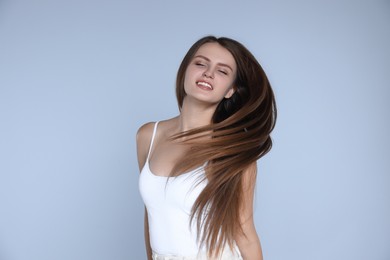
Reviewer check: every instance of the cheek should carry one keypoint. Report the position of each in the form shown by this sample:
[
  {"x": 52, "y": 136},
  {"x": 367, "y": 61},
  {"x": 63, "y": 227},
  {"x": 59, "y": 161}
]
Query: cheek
[
  {"x": 185, "y": 80},
  {"x": 187, "y": 84},
  {"x": 189, "y": 77},
  {"x": 228, "y": 83},
  {"x": 188, "y": 74}
]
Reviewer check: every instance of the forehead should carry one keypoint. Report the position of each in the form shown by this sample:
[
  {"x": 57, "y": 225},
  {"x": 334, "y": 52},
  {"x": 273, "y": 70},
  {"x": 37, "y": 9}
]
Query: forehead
[{"x": 216, "y": 53}]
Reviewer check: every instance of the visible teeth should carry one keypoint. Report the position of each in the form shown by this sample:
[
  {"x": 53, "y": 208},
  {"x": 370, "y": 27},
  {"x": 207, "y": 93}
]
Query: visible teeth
[{"x": 205, "y": 84}]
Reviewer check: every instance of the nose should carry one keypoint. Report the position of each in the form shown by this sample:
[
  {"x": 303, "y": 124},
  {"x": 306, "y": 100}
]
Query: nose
[{"x": 208, "y": 74}]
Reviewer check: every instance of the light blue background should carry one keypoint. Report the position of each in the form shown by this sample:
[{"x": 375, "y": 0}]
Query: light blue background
[{"x": 77, "y": 79}]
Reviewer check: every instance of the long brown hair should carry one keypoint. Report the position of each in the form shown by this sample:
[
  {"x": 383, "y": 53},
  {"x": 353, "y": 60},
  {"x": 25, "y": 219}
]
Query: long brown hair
[{"x": 240, "y": 135}]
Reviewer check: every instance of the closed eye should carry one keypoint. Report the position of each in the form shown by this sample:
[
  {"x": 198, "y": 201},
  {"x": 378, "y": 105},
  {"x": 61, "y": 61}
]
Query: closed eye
[
  {"x": 223, "y": 72},
  {"x": 199, "y": 64}
]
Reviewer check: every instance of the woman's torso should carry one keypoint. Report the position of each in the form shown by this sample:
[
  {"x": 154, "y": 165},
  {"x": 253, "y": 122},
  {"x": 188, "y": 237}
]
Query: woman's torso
[{"x": 169, "y": 202}]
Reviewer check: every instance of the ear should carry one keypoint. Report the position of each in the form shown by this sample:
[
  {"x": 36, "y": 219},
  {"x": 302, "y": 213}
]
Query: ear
[{"x": 230, "y": 92}]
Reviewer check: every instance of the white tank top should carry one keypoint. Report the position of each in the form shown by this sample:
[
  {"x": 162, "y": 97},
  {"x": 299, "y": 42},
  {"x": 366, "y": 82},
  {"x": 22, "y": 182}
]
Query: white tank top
[{"x": 169, "y": 202}]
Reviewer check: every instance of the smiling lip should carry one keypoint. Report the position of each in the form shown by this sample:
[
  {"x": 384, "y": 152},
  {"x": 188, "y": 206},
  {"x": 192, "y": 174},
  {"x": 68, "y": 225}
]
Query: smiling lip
[{"x": 204, "y": 85}]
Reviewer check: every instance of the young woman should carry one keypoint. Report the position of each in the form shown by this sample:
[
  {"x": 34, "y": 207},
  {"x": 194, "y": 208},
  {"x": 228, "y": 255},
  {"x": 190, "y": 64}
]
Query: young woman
[{"x": 198, "y": 169}]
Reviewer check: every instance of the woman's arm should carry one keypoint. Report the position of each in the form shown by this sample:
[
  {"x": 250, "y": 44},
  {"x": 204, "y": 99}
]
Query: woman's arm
[
  {"x": 147, "y": 240},
  {"x": 144, "y": 135},
  {"x": 249, "y": 242}
]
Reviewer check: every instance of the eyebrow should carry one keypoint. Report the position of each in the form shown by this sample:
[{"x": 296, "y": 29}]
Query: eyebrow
[{"x": 207, "y": 59}]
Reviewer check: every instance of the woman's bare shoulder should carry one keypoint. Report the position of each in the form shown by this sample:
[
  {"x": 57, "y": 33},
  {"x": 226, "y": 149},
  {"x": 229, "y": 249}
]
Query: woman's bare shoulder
[
  {"x": 144, "y": 135},
  {"x": 145, "y": 132}
]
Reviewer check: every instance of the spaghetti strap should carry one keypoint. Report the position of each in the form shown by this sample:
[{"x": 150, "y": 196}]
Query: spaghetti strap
[{"x": 152, "y": 140}]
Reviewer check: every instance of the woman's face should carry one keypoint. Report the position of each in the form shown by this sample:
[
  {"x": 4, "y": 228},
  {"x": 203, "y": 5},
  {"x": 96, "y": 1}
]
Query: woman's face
[{"x": 210, "y": 74}]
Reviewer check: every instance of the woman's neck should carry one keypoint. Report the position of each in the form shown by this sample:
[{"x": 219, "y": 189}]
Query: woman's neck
[{"x": 194, "y": 115}]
